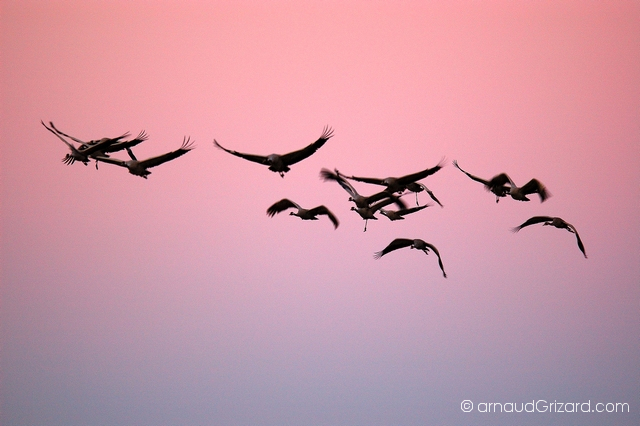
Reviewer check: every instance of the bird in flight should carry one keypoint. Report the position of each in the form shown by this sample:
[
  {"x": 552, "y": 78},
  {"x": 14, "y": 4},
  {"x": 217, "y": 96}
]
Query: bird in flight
[
  {"x": 519, "y": 193},
  {"x": 360, "y": 200},
  {"x": 304, "y": 214},
  {"x": 418, "y": 244},
  {"x": 418, "y": 187},
  {"x": 399, "y": 184},
  {"x": 104, "y": 146},
  {"x": 280, "y": 163},
  {"x": 140, "y": 167},
  {"x": 498, "y": 190},
  {"x": 502, "y": 185},
  {"x": 553, "y": 221},
  {"x": 368, "y": 212},
  {"x": 83, "y": 154}
]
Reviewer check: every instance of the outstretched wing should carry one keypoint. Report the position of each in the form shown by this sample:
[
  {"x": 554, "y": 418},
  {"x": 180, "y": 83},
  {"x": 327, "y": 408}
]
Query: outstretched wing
[
  {"x": 500, "y": 180},
  {"x": 535, "y": 186},
  {"x": 532, "y": 221},
  {"x": 405, "y": 212},
  {"x": 580, "y": 245},
  {"x": 435, "y": 250},
  {"x": 71, "y": 147},
  {"x": 477, "y": 179},
  {"x": 418, "y": 187},
  {"x": 251, "y": 157},
  {"x": 326, "y": 175},
  {"x": 295, "y": 156},
  {"x": 322, "y": 210},
  {"x": 280, "y": 206},
  {"x": 63, "y": 134},
  {"x": 88, "y": 148},
  {"x": 374, "y": 181},
  {"x": 396, "y": 244},
  {"x": 187, "y": 146},
  {"x": 405, "y": 180},
  {"x": 386, "y": 201},
  {"x": 111, "y": 160},
  {"x": 120, "y": 145},
  {"x": 382, "y": 195}
]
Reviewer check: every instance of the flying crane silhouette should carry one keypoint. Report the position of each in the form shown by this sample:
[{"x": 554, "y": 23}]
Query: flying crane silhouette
[
  {"x": 101, "y": 147},
  {"x": 553, "y": 221},
  {"x": 399, "y": 184},
  {"x": 304, "y": 214},
  {"x": 140, "y": 167},
  {"x": 280, "y": 163},
  {"x": 417, "y": 244},
  {"x": 502, "y": 185}
]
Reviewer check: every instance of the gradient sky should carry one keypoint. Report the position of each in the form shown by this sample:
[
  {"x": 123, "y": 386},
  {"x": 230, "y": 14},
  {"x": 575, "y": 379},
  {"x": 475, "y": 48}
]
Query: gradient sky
[{"x": 176, "y": 300}]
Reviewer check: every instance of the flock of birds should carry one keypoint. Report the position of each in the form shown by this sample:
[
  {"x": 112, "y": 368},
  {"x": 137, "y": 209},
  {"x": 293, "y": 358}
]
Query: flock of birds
[{"x": 393, "y": 188}]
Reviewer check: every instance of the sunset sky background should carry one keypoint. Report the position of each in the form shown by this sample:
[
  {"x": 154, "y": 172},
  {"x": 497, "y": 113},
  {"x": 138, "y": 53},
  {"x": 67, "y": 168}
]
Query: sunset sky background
[{"x": 176, "y": 300}]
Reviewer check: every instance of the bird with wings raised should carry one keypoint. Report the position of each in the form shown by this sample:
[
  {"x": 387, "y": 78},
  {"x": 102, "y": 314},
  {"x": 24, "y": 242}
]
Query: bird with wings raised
[
  {"x": 84, "y": 153},
  {"x": 399, "y": 184},
  {"x": 104, "y": 146},
  {"x": 360, "y": 200},
  {"x": 498, "y": 190},
  {"x": 140, "y": 167},
  {"x": 417, "y": 244},
  {"x": 502, "y": 185},
  {"x": 280, "y": 163},
  {"x": 553, "y": 221},
  {"x": 302, "y": 213}
]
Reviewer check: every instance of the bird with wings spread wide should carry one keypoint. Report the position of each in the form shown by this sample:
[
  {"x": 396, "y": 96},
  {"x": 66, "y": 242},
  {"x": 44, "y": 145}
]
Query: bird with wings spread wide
[
  {"x": 418, "y": 244},
  {"x": 553, "y": 221},
  {"x": 304, "y": 214},
  {"x": 502, "y": 185},
  {"x": 361, "y": 201},
  {"x": 280, "y": 163},
  {"x": 104, "y": 146},
  {"x": 399, "y": 184},
  {"x": 88, "y": 150},
  {"x": 140, "y": 167}
]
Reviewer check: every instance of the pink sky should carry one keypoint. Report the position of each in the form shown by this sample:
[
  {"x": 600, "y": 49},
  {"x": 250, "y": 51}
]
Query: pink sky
[{"x": 176, "y": 300}]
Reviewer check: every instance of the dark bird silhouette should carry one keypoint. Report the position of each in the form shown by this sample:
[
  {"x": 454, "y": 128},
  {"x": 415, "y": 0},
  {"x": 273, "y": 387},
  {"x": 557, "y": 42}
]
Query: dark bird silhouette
[
  {"x": 502, "y": 185},
  {"x": 304, "y": 214},
  {"x": 499, "y": 190},
  {"x": 140, "y": 167},
  {"x": 553, "y": 221},
  {"x": 418, "y": 187},
  {"x": 85, "y": 154},
  {"x": 280, "y": 163},
  {"x": 400, "y": 214},
  {"x": 368, "y": 212},
  {"x": 399, "y": 184},
  {"x": 519, "y": 193},
  {"x": 418, "y": 244},
  {"x": 104, "y": 147},
  {"x": 360, "y": 200}
]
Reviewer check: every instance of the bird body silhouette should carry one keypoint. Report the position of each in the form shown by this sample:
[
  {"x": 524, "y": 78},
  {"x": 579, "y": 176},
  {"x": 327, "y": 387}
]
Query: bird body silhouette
[
  {"x": 360, "y": 200},
  {"x": 304, "y": 214},
  {"x": 280, "y": 163},
  {"x": 417, "y": 244},
  {"x": 502, "y": 185},
  {"x": 553, "y": 221},
  {"x": 140, "y": 167},
  {"x": 399, "y": 184}
]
